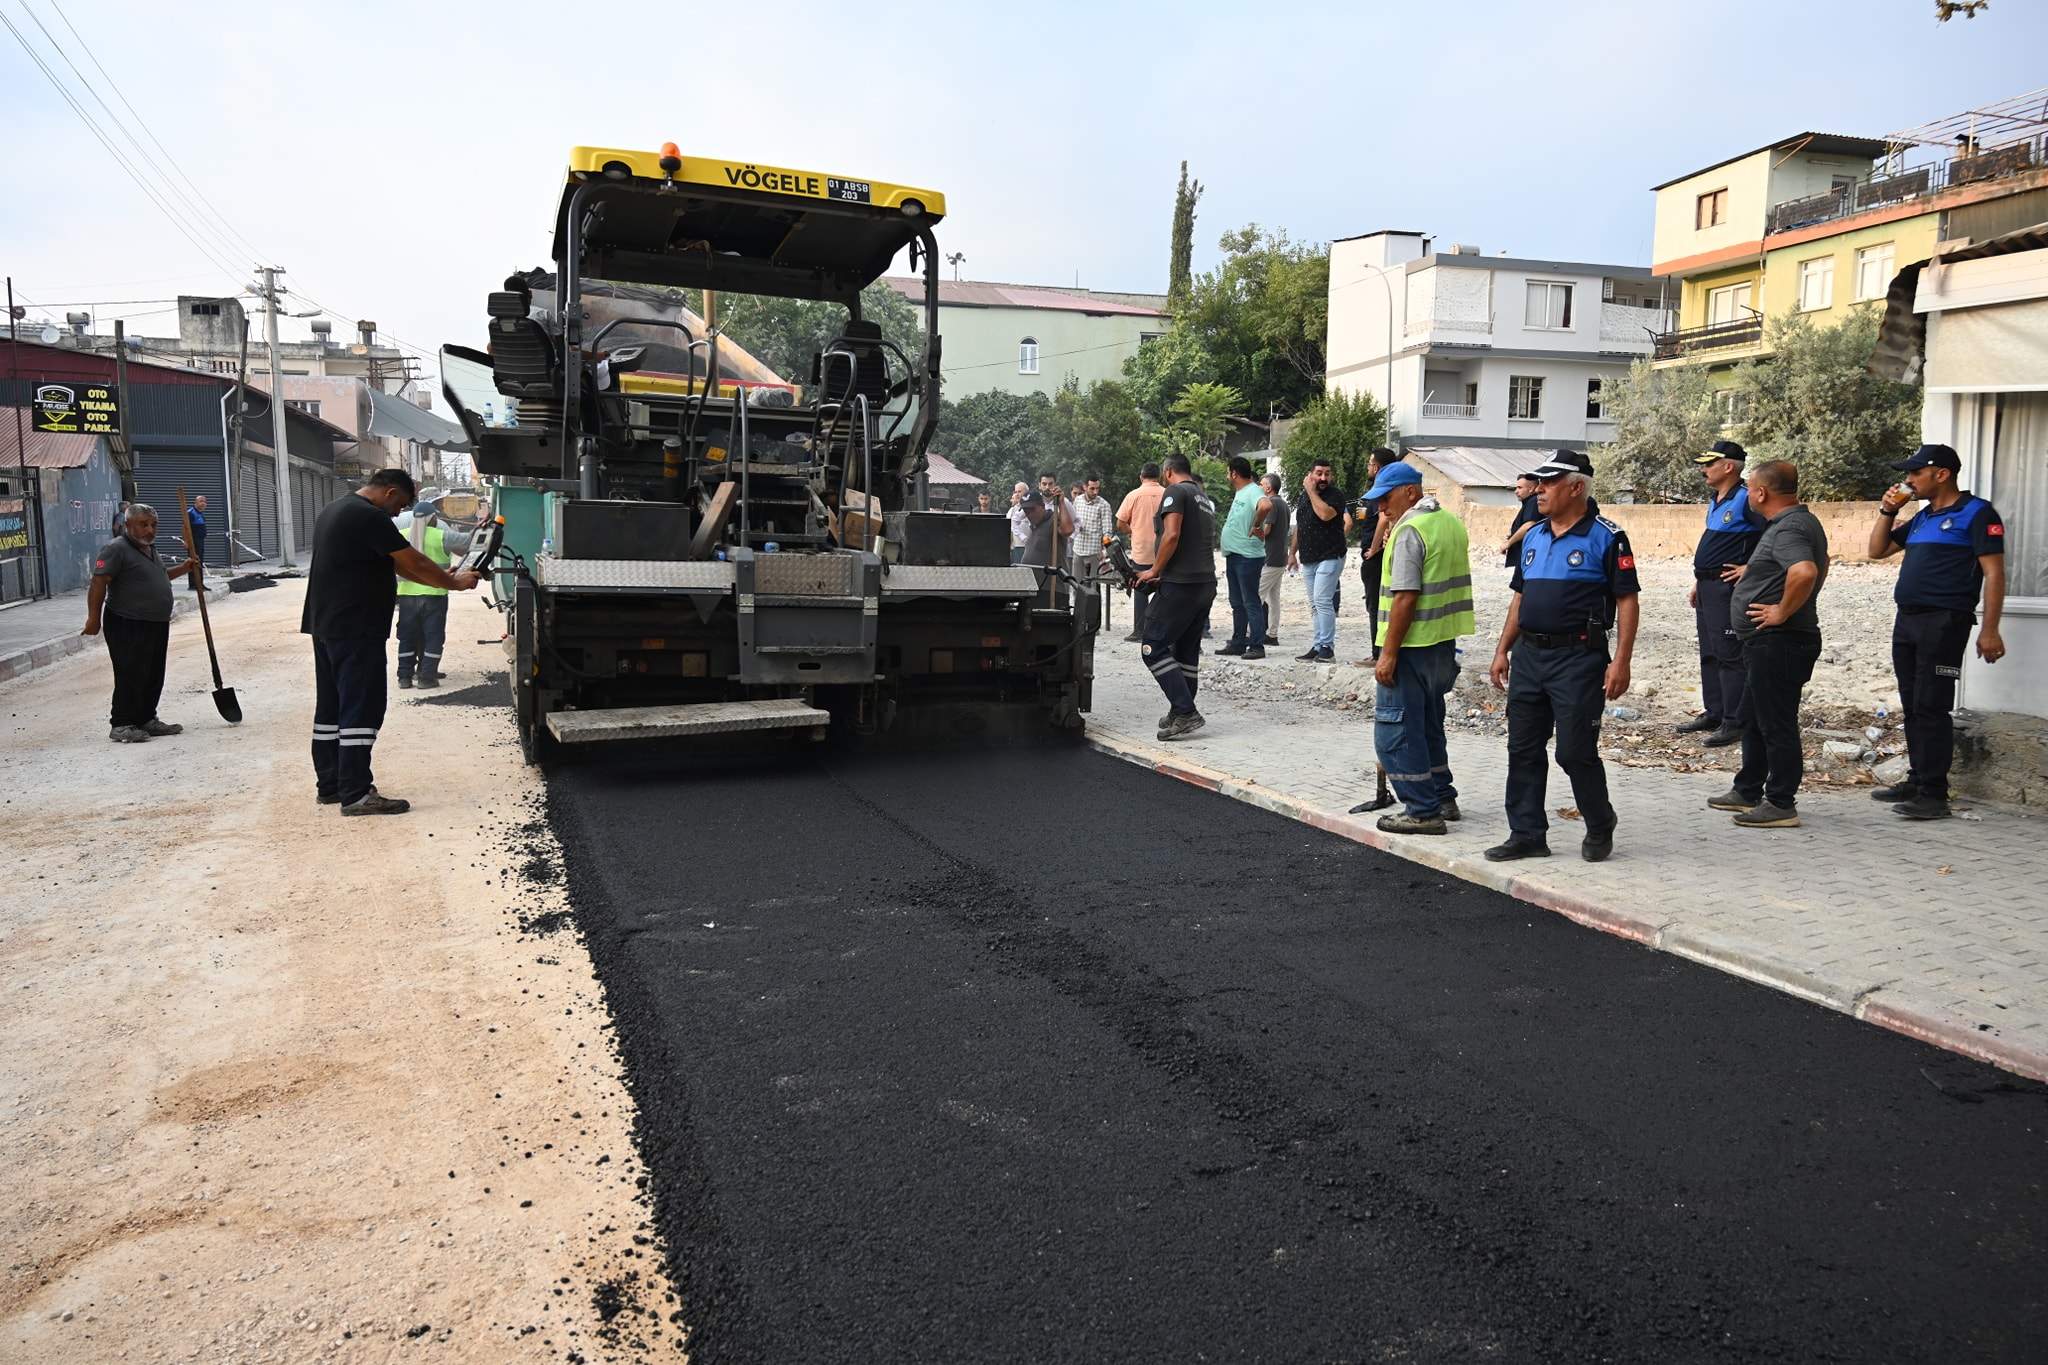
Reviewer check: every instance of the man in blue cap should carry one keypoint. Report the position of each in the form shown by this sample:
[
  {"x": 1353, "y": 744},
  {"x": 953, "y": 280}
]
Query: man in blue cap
[
  {"x": 1575, "y": 581},
  {"x": 1955, "y": 550},
  {"x": 1732, "y": 531},
  {"x": 1424, "y": 604}
]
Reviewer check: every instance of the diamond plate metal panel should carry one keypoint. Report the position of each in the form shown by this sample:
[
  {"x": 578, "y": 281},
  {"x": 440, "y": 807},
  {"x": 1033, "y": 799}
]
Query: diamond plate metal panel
[
  {"x": 632, "y": 575},
  {"x": 666, "y": 722},
  {"x": 807, "y": 575},
  {"x": 930, "y": 580}
]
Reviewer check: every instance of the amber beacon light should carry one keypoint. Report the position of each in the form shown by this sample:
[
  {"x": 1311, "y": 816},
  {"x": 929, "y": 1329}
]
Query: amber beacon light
[{"x": 671, "y": 157}]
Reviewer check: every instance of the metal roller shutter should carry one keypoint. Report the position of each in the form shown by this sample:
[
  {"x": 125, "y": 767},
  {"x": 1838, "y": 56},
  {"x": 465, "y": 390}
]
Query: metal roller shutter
[{"x": 159, "y": 473}]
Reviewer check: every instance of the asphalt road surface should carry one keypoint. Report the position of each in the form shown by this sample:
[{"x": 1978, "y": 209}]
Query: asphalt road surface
[{"x": 1043, "y": 1057}]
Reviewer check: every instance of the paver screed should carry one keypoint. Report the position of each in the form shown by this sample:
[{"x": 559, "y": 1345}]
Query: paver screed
[{"x": 1937, "y": 931}]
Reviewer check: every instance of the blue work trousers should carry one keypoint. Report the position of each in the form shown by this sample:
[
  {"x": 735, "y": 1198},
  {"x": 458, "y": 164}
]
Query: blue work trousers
[
  {"x": 1173, "y": 640},
  {"x": 1928, "y": 644},
  {"x": 348, "y": 710},
  {"x": 1564, "y": 690},
  {"x": 422, "y": 632},
  {"x": 1247, "y": 608},
  {"x": 1408, "y": 727},
  {"x": 1322, "y": 579}
]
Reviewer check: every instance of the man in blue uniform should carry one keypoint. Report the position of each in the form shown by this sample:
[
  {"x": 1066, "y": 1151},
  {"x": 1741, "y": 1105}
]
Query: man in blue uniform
[
  {"x": 1955, "y": 549},
  {"x": 1732, "y": 531},
  {"x": 1576, "y": 579}
]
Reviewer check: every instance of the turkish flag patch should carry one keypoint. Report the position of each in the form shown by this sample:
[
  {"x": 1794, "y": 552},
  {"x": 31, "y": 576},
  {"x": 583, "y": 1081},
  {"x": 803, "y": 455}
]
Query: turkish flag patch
[
  {"x": 99, "y": 563},
  {"x": 1994, "y": 530},
  {"x": 1627, "y": 561}
]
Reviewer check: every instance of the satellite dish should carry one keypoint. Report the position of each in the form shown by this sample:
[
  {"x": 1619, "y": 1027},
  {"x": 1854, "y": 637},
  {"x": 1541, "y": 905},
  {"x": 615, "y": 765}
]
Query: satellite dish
[{"x": 50, "y": 335}]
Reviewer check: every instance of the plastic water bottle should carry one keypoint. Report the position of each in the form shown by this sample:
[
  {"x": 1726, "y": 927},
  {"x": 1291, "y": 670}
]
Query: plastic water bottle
[
  {"x": 547, "y": 545},
  {"x": 511, "y": 414},
  {"x": 490, "y": 420},
  {"x": 1623, "y": 713}
]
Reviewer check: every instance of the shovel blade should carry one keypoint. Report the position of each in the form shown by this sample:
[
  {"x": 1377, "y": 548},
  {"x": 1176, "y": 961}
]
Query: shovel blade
[{"x": 225, "y": 703}]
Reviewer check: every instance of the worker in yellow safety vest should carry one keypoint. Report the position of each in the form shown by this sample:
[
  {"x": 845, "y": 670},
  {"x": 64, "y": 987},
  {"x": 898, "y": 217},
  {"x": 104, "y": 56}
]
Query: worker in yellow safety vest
[{"x": 423, "y": 611}]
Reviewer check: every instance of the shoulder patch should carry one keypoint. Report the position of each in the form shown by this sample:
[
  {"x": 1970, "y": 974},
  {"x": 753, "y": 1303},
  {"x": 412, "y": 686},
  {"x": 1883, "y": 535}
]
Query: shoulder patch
[
  {"x": 1626, "y": 562},
  {"x": 1994, "y": 529},
  {"x": 1610, "y": 525}
]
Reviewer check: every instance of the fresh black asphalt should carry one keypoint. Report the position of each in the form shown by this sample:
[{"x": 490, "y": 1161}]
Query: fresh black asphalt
[{"x": 1038, "y": 1056}]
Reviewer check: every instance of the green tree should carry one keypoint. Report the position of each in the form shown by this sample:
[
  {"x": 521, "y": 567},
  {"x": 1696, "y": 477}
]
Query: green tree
[
  {"x": 999, "y": 436},
  {"x": 784, "y": 334},
  {"x": 1339, "y": 427},
  {"x": 1181, "y": 258},
  {"x": 1101, "y": 432},
  {"x": 1163, "y": 367},
  {"x": 1203, "y": 413},
  {"x": 1812, "y": 400},
  {"x": 1662, "y": 418}
]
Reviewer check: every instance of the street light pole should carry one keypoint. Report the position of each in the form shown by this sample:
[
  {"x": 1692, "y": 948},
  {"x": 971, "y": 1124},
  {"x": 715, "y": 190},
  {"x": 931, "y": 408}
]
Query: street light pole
[
  {"x": 1388, "y": 290},
  {"x": 286, "y": 539}
]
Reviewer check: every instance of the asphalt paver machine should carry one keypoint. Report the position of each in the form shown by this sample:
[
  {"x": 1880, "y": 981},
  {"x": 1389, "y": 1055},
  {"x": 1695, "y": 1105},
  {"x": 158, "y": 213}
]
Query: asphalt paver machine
[{"x": 685, "y": 544}]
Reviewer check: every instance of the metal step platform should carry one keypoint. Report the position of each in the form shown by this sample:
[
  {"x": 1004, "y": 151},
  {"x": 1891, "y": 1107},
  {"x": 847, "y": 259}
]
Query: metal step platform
[{"x": 667, "y": 722}]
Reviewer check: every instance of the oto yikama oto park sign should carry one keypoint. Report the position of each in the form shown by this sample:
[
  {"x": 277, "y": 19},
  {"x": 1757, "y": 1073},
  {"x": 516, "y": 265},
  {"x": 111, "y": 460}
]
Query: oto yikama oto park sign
[{"x": 77, "y": 409}]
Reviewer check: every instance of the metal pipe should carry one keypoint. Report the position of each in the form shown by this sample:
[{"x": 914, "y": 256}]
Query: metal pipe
[
  {"x": 743, "y": 453},
  {"x": 867, "y": 472}
]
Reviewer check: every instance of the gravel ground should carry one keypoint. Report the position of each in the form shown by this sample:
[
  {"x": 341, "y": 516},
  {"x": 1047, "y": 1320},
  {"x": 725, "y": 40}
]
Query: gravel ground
[{"x": 1852, "y": 687}]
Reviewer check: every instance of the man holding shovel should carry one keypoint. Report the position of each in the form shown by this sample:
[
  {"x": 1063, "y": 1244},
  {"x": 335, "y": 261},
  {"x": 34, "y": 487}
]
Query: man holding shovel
[
  {"x": 131, "y": 597},
  {"x": 358, "y": 556}
]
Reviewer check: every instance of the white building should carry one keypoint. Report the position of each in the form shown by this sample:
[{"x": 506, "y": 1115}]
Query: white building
[
  {"x": 1485, "y": 350},
  {"x": 1985, "y": 309}
]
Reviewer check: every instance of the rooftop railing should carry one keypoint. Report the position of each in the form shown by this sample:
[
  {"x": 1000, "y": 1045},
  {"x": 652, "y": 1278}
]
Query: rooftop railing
[
  {"x": 1900, "y": 186},
  {"x": 1713, "y": 337}
]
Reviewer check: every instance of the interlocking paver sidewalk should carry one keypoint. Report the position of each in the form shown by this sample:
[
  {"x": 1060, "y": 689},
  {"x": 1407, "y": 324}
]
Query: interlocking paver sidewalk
[{"x": 1939, "y": 931}]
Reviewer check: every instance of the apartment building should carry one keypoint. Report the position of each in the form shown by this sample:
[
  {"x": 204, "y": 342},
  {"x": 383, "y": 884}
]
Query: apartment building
[
  {"x": 1484, "y": 351},
  {"x": 1030, "y": 339},
  {"x": 1818, "y": 224}
]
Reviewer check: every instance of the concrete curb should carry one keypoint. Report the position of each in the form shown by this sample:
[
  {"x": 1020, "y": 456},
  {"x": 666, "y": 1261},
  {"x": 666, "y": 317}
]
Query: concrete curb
[
  {"x": 25, "y": 661},
  {"x": 1869, "y": 1001}
]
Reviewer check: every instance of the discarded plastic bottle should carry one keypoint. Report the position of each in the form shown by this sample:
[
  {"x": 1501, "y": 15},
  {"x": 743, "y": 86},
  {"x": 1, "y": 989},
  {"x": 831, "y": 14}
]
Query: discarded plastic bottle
[
  {"x": 770, "y": 547},
  {"x": 1622, "y": 713}
]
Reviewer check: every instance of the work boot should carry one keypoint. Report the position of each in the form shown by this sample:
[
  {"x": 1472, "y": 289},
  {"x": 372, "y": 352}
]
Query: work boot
[
  {"x": 1597, "y": 844},
  {"x": 1723, "y": 737},
  {"x": 1179, "y": 725},
  {"x": 404, "y": 683},
  {"x": 1924, "y": 808},
  {"x": 128, "y": 734},
  {"x": 375, "y": 804},
  {"x": 1310, "y": 657},
  {"x": 1134, "y": 638},
  {"x": 1450, "y": 811},
  {"x": 1231, "y": 649},
  {"x": 154, "y": 727},
  {"x": 1272, "y": 640},
  {"x": 1896, "y": 793},
  {"x": 1402, "y": 822},
  {"x": 1764, "y": 815},
  {"x": 1699, "y": 723},
  {"x": 1517, "y": 848},
  {"x": 1255, "y": 652},
  {"x": 331, "y": 797},
  {"x": 430, "y": 680},
  {"x": 1731, "y": 800}
]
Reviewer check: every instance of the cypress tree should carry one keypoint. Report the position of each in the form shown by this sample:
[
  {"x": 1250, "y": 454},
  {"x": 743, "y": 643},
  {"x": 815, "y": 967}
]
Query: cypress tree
[{"x": 1180, "y": 268}]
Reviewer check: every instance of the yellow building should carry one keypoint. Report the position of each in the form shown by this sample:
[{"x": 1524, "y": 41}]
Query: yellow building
[{"x": 1818, "y": 224}]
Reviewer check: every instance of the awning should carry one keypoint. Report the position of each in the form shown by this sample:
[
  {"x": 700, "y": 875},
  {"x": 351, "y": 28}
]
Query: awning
[
  {"x": 46, "y": 449},
  {"x": 940, "y": 470},
  {"x": 391, "y": 415}
]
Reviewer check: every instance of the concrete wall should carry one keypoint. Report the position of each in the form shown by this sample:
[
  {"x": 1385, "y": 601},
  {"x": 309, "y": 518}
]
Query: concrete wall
[{"x": 1671, "y": 530}]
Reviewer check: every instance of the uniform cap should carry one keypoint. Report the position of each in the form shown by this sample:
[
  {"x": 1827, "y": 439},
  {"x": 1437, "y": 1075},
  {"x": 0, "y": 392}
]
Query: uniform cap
[
  {"x": 1564, "y": 462},
  {"x": 1722, "y": 450},
  {"x": 1939, "y": 457}
]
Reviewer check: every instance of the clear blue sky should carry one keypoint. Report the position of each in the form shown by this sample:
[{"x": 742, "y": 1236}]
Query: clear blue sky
[{"x": 399, "y": 159}]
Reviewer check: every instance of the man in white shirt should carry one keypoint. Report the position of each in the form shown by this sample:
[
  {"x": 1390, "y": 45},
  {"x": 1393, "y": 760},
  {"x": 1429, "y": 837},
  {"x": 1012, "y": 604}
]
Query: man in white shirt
[
  {"x": 1020, "y": 524},
  {"x": 1094, "y": 520}
]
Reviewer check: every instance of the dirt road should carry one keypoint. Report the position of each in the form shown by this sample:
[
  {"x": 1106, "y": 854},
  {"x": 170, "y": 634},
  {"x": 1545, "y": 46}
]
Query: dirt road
[{"x": 286, "y": 1087}]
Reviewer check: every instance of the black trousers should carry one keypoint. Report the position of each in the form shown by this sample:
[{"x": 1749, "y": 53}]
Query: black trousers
[
  {"x": 1927, "y": 656},
  {"x": 348, "y": 710},
  {"x": 1173, "y": 640},
  {"x": 1722, "y": 670},
  {"x": 1778, "y": 665},
  {"x": 1141, "y": 598},
  {"x": 1565, "y": 690},
  {"x": 137, "y": 650}
]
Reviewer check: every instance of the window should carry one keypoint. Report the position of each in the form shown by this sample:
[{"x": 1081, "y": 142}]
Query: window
[
  {"x": 1729, "y": 303},
  {"x": 1710, "y": 210},
  {"x": 1734, "y": 406},
  {"x": 1027, "y": 356},
  {"x": 1816, "y": 284},
  {"x": 1550, "y": 307},
  {"x": 1525, "y": 397},
  {"x": 205, "y": 310},
  {"x": 1596, "y": 403},
  {"x": 2019, "y": 485},
  {"x": 1471, "y": 395},
  {"x": 309, "y": 406},
  {"x": 1874, "y": 271}
]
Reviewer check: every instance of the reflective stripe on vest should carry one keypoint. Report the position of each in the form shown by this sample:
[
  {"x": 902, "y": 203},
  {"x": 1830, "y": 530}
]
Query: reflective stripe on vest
[
  {"x": 1443, "y": 609},
  {"x": 434, "y": 545}
]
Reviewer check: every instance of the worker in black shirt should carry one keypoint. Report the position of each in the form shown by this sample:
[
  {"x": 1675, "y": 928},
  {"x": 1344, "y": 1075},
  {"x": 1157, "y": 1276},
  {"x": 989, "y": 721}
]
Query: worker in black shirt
[
  {"x": 1732, "y": 531},
  {"x": 1373, "y": 530},
  {"x": 130, "y": 598},
  {"x": 351, "y": 595},
  {"x": 1184, "y": 573},
  {"x": 1955, "y": 549},
  {"x": 1525, "y": 516},
  {"x": 1576, "y": 579}
]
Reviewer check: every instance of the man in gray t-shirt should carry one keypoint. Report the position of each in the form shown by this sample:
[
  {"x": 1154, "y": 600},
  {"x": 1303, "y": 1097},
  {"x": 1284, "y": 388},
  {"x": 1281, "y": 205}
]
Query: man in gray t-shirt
[
  {"x": 1775, "y": 617},
  {"x": 130, "y": 598}
]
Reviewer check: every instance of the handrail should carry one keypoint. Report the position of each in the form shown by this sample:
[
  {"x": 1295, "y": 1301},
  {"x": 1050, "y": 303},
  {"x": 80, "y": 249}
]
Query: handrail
[
  {"x": 744, "y": 451},
  {"x": 867, "y": 473},
  {"x": 676, "y": 323}
]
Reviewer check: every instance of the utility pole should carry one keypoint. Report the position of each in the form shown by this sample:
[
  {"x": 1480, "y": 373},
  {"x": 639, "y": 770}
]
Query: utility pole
[
  {"x": 286, "y": 540},
  {"x": 235, "y": 452},
  {"x": 19, "y": 401},
  {"x": 124, "y": 449}
]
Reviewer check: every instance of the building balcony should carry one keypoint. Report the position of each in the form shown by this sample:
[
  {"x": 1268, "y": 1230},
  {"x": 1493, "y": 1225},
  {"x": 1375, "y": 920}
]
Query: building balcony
[
  {"x": 1629, "y": 328},
  {"x": 1881, "y": 191},
  {"x": 1718, "y": 336},
  {"x": 1450, "y": 409}
]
